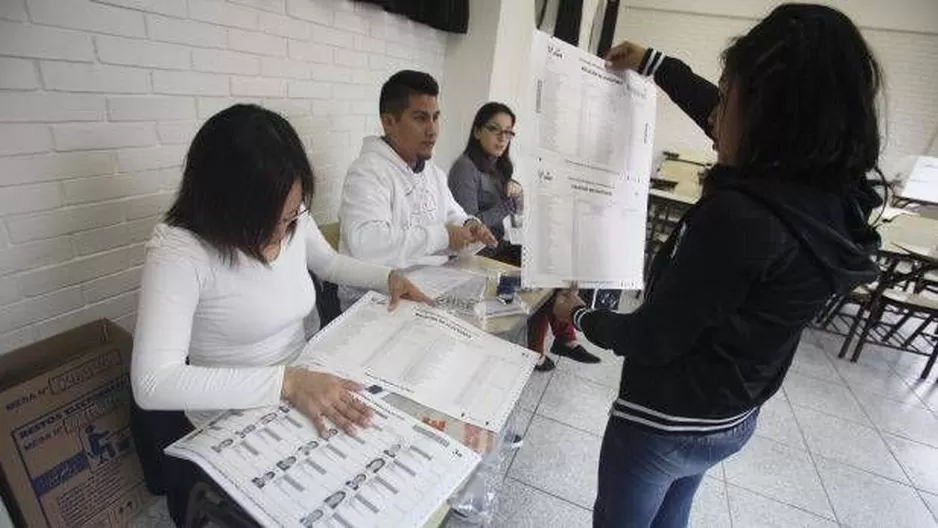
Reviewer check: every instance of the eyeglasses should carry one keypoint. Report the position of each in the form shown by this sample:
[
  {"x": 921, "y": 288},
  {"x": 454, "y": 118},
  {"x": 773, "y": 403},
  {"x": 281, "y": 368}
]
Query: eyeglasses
[
  {"x": 510, "y": 134},
  {"x": 296, "y": 216}
]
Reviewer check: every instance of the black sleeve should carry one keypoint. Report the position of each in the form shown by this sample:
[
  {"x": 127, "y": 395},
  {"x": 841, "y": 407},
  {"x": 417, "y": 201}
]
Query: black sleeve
[
  {"x": 724, "y": 250},
  {"x": 694, "y": 95}
]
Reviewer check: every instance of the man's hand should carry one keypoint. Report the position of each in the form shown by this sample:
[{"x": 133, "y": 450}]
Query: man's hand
[
  {"x": 625, "y": 56},
  {"x": 459, "y": 236},
  {"x": 565, "y": 302},
  {"x": 480, "y": 233},
  {"x": 400, "y": 287}
]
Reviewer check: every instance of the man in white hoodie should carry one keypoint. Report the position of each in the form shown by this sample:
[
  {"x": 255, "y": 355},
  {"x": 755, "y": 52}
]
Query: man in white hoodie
[{"x": 397, "y": 208}]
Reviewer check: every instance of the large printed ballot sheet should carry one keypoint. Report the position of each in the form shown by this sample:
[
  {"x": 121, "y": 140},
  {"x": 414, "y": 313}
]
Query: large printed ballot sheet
[
  {"x": 427, "y": 355},
  {"x": 589, "y": 167},
  {"x": 272, "y": 462}
]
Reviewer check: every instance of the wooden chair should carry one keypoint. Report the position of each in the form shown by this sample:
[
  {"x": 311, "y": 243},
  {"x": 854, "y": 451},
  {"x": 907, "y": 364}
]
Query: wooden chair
[{"x": 895, "y": 294}]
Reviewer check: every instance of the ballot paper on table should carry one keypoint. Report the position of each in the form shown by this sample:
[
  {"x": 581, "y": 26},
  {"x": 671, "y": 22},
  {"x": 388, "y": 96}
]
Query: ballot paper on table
[
  {"x": 427, "y": 355},
  {"x": 274, "y": 464},
  {"x": 437, "y": 281},
  {"x": 589, "y": 165}
]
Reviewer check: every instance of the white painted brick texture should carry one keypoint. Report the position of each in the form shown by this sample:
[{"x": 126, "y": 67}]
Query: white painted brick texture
[{"x": 99, "y": 100}]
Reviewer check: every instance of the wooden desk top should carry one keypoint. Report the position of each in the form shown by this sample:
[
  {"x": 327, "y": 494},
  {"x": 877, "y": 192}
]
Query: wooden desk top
[
  {"x": 686, "y": 175},
  {"x": 912, "y": 234}
]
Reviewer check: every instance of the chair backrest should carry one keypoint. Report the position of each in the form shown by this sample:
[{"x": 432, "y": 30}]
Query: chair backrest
[{"x": 331, "y": 233}]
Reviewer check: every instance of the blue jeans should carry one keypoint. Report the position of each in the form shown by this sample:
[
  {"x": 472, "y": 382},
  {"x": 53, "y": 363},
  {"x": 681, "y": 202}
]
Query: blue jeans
[{"x": 648, "y": 479}]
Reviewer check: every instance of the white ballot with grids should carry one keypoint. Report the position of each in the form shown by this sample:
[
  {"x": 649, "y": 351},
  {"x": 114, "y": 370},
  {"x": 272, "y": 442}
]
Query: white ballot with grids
[
  {"x": 427, "y": 355},
  {"x": 277, "y": 468},
  {"x": 589, "y": 165}
]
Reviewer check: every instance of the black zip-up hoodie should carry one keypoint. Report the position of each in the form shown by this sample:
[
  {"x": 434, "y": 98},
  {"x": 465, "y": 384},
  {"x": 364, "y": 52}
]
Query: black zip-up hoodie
[{"x": 731, "y": 290}]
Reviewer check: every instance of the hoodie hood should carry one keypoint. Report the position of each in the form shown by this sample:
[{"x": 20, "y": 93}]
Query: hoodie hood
[
  {"x": 832, "y": 226},
  {"x": 378, "y": 146}
]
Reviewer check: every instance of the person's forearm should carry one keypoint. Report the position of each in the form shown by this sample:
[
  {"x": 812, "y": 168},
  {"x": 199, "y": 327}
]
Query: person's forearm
[
  {"x": 694, "y": 95},
  {"x": 381, "y": 243},
  {"x": 192, "y": 388}
]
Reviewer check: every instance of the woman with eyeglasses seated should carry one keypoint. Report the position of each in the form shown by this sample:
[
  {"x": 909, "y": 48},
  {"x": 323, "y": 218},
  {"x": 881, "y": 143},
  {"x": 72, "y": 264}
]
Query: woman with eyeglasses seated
[
  {"x": 481, "y": 182},
  {"x": 226, "y": 290}
]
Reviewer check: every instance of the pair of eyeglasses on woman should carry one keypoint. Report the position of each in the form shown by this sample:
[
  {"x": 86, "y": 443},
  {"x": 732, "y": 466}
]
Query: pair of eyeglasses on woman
[
  {"x": 295, "y": 216},
  {"x": 510, "y": 134}
]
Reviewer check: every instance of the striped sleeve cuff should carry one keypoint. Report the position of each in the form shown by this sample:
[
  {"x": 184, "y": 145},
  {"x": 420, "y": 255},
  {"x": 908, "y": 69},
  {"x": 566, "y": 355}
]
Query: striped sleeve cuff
[
  {"x": 651, "y": 62},
  {"x": 577, "y": 316}
]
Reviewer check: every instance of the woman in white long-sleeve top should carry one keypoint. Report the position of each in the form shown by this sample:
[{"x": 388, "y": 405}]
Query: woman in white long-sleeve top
[{"x": 226, "y": 286}]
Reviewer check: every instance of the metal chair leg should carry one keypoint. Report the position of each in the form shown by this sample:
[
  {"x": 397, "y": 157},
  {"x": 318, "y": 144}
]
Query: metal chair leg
[
  {"x": 850, "y": 333},
  {"x": 931, "y": 362},
  {"x": 876, "y": 312}
]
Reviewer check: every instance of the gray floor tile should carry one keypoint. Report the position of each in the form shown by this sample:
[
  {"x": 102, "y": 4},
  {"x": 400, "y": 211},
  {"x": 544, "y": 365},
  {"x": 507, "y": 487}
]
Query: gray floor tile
[
  {"x": 560, "y": 460},
  {"x": 874, "y": 381},
  {"x": 750, "y": 510},
  {"x": 777, "y": 422},
  {"x": 522, "y": 506},
  {"x": 848, "y": 442},
  {"x": 932, "y": 502},
  {"x": 927, "y": 390},
  {"x": 810, "y": 360},
  {"x": 862, "y": 499},
  {"x": 577, "y": 402},
  {"x": 607, "y": 372},
  {"x": 779, "y": 471},
  {"x": 710, "y": 509},
  {"x": 531, "y": 395},
  {"x": 910, "y": 366},
  {"x": 829, "y": 398},
  {"x": 908, "y": 421},
  {"x": 920, "y": 461}
]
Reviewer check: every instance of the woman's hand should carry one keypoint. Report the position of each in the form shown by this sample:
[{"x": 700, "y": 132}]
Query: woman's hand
[
  {"x": 400, "y": 287},
  {"x": 513, "y": 189},
  {"x": 565, "y": 302},
  {"x": 625, "y": 56},
  {"x": 319, "y": 395}
]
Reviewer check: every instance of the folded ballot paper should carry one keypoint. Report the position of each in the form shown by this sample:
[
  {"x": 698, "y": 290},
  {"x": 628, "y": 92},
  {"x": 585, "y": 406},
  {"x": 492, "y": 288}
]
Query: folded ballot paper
[
  {"x": 278, "y": 469},
  {"x": 453, "y": 377}
]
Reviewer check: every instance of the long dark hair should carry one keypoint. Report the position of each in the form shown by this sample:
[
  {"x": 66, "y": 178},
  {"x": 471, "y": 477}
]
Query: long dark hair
[
  {"x": 239, "y": 170},
  {"x": 807, "y": 84},
  {"x": 474, "y": 150}
]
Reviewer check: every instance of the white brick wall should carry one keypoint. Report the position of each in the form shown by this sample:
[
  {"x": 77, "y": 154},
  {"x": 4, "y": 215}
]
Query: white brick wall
[{"x": 99, "y": 100}]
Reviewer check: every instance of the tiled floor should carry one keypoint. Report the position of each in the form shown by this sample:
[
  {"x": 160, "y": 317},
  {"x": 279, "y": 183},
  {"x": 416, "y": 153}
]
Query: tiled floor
[{"x": 841, "y": 444}]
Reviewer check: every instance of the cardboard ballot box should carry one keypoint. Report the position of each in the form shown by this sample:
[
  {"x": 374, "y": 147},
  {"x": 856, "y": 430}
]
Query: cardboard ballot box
[{"x": 66, "y": 453}]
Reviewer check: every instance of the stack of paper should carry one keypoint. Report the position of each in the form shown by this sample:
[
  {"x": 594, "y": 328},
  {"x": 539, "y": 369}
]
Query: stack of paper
[
  {"x": 427, "y": 355},
  {"x": 452, "y": 289},
  {"x": 273, "y": 463}
]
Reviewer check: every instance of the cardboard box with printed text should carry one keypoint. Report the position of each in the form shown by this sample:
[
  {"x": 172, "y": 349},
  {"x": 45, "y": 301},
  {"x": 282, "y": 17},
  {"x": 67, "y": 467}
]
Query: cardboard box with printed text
[{"x": 66, "y": 452}]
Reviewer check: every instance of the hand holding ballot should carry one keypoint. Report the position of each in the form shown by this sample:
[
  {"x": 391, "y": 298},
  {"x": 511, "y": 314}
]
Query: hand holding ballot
[
  {"x": 319, "y": 395},
  {"x": 625, "y": 56},
  {"x": 565, "y": 302}
]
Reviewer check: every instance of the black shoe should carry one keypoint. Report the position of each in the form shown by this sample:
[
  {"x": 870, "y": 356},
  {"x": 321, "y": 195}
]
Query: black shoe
[
  {"x": 514, "y": 441},
  {"x": 546, "y": 365},
  {"x": 577, "y": 353}
]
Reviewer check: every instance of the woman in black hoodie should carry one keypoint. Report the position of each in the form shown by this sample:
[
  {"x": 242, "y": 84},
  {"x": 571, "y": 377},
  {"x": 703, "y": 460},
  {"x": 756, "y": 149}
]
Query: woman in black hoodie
[{"x": 780, "y": 227}]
